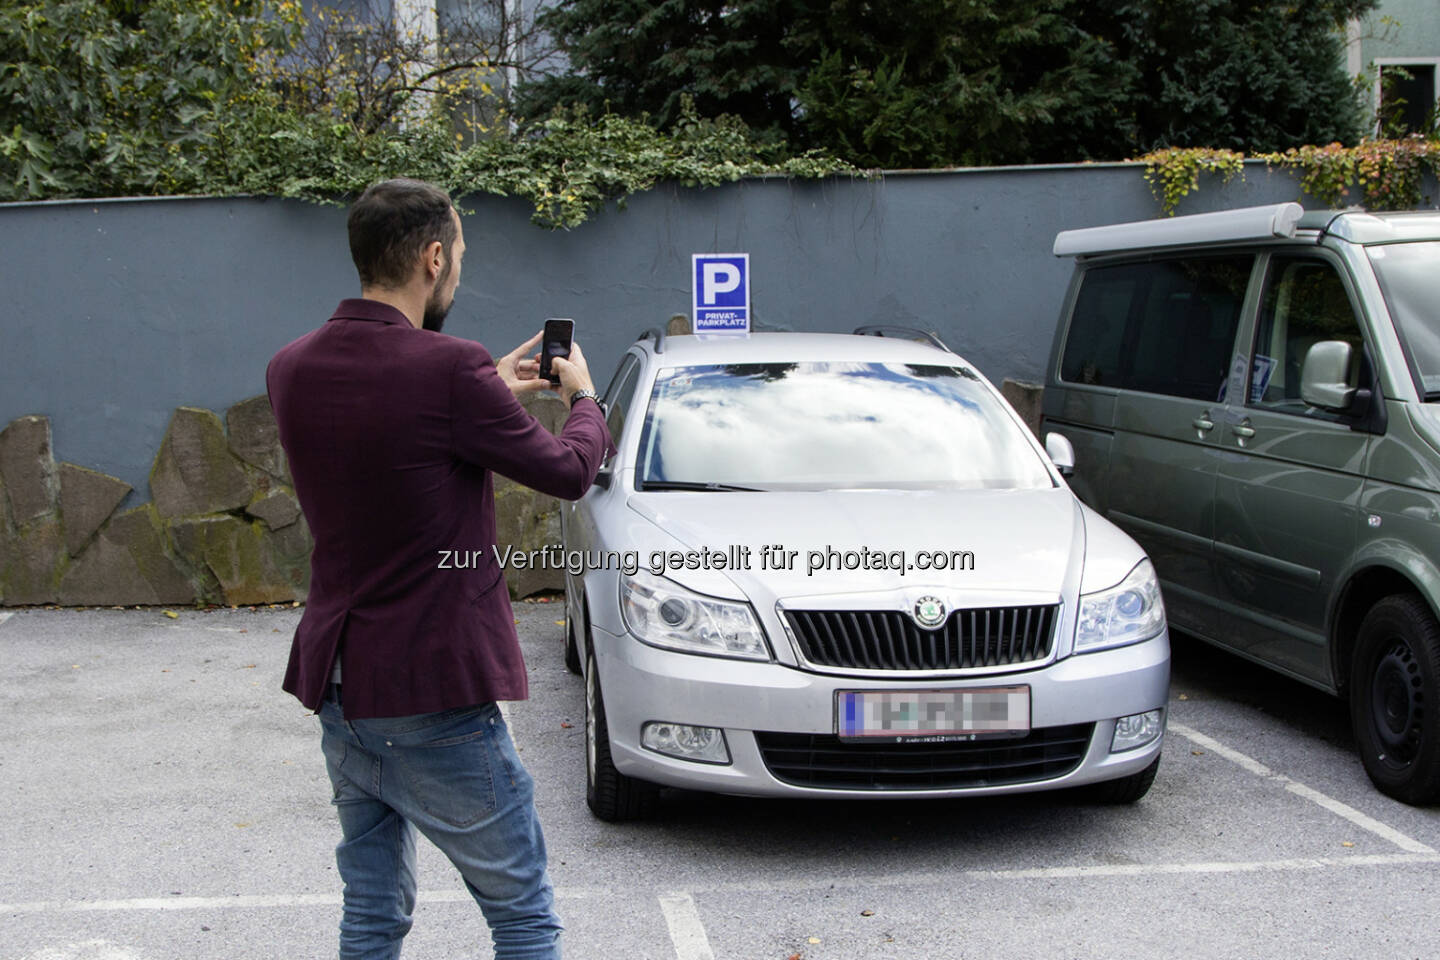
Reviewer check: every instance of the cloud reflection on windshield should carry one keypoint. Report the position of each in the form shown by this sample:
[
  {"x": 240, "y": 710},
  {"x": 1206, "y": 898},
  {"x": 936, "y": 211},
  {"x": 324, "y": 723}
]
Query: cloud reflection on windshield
[{"x": 833, "y": 425}]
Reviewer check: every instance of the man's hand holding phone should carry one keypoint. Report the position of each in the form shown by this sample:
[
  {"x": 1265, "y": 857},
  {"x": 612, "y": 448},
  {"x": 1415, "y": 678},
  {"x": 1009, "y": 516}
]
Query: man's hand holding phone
[
  {"x": 574, "y": 373},
  {"x": 522, "y": 374}
]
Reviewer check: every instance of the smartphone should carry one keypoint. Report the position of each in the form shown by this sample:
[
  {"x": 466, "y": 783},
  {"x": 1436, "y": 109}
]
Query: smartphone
[{"x": 555, "y": 343}]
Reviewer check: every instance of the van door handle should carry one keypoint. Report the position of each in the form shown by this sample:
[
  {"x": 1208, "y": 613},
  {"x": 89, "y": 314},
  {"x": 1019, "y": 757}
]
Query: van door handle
[
  {"x": 1203, "y": 423},
  {"x": 1243, "y": 430}
]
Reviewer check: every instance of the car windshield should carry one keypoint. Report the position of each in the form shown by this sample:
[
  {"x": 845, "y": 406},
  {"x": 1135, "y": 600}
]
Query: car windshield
[
  {"x": 831, "y": 425},
  {"x": 1410, "y": 278}
]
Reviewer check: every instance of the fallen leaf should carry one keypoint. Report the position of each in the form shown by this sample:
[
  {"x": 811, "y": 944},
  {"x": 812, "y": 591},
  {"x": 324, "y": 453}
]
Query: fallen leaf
[
  {"x": 243, "y": 630},
  {"x": 793, "y": 956},
  {"x": 165, "y": 670},
  {"x": 1197, "y": 753},
  {"x": 814, "y": 939},
  {"x": 867, "y": 913},
  {"x": 1183, "y": 697},
  {"x": 559, "y": 623},
  {"x": 1346, "y": 843},
  {"x": 248, "y": 666},
  {"x": 566, "y": 726},
  {"x": 295, "y": 603},
  {"x": 172, "y": 614},
  {"x": 242, "y": 825},
  {"x": 74, "y": 666}
]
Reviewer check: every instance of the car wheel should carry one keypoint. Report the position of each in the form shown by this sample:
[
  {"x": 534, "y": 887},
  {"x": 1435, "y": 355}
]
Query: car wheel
[
  {"x": 572, "y": 649},
  {"x": 1395, "y": 698},
  {"x": 1122, "y": 789},
  {"x": 610, "y": 794}
]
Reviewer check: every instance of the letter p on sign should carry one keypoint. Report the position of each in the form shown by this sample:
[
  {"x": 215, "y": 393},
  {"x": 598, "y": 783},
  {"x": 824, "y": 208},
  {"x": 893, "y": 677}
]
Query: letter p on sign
[
  {"x": 721, "y": 292},
  {"x": 719, "y": 278}
]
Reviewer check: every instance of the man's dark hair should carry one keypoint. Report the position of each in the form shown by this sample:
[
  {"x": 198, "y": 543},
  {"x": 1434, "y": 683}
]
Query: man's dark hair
[{"x": 390, "y": 226}]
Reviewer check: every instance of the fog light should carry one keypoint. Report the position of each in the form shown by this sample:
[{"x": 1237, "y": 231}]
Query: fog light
[
  {"x": 1135, "y": 731},
  {"x": 701, "y": 744}
]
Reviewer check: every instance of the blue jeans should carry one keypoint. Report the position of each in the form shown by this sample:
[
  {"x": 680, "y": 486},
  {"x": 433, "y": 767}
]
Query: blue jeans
[{"x": 456, "y": 777}]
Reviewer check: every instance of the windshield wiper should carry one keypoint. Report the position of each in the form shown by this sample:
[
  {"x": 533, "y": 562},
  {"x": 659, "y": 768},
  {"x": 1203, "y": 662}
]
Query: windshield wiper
[{"x": 693, "y": 485}]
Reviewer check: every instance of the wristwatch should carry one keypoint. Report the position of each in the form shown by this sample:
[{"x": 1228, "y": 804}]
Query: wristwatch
[{"x": 582, "y": 394}]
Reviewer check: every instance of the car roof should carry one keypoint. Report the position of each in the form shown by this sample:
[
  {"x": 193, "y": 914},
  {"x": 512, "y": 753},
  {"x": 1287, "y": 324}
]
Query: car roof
[
  {"x": 788, "y": 347},
  {"x": 1358, "y": 226}
]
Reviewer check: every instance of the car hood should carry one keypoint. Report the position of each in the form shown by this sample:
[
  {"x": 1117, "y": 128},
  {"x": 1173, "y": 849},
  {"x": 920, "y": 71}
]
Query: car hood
[{"x": 1024, "y": 546}]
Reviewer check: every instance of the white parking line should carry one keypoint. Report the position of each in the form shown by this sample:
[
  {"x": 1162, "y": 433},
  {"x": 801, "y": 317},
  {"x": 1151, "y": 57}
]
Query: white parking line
[
  {"x": 932, "y": 880},
  {"x": 6, "y": 616},
  {"x": 1299, "y": 789},
  {"x": 686, "y": 930},
  {"x": 86, "y": 950}
]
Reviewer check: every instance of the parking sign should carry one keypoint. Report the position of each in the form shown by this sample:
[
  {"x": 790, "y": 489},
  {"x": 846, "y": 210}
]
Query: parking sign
[{"x": 721, "y": 285}]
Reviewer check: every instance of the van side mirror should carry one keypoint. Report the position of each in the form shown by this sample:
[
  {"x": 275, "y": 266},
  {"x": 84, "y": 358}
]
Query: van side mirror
[
  {"x": 1324, "y": 376},
  {"x": 1061, "y": 453}
]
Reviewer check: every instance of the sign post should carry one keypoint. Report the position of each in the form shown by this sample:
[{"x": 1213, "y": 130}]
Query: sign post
[{"x": 721, "y": 293}]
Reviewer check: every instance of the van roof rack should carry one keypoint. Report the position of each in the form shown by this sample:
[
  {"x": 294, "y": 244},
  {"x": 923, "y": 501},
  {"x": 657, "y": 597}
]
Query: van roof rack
[
  {"x": 1278, "y": 220},
  {"x": 657, "y": 334},
  {"x": 903, "y": 333}
]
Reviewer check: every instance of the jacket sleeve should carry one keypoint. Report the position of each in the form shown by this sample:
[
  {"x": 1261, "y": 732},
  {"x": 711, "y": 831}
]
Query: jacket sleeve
[{"x": 489, "y": 428}]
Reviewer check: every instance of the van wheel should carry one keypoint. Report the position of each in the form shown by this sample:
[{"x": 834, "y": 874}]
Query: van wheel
[
  {"x": 1123, "y": 789},
  {"x": 1395, "y": 698},
  {"x": 610, "y": 794}
]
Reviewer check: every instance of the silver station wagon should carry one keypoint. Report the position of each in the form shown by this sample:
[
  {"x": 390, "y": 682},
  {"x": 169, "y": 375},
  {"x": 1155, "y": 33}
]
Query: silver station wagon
[{"x": 839, "y": 565}]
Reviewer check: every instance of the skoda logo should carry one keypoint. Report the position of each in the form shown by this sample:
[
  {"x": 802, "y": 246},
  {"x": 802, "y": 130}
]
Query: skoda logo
[{"x": 929, "y": 612}]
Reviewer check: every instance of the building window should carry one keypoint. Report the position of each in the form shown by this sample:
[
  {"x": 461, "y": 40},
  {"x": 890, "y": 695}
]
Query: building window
[{"x": 1406, "y": 94}]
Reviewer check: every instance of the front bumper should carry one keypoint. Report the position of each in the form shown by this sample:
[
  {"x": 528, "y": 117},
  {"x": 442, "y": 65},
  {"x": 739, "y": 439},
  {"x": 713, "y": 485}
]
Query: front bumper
[{"x": 642, "y": 684}]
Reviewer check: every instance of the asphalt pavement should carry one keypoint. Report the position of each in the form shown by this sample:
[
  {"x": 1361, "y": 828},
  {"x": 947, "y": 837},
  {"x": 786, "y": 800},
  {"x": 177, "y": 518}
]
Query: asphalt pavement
[{"x": 165, "y": 799}]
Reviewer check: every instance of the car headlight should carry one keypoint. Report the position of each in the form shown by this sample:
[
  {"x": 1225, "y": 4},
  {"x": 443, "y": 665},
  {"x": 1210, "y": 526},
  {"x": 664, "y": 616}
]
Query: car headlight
[
  {"x": 1128, "y": 613},
  {"x": 665, "y": 614}
]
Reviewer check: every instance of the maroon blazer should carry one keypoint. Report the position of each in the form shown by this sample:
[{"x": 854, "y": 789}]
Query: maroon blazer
[{"x": 392, "y": 434}]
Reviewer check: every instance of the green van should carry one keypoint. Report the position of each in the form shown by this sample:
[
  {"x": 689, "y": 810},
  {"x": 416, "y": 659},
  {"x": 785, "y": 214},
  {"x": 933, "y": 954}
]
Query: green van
[{"x": 1254, "y": 396}]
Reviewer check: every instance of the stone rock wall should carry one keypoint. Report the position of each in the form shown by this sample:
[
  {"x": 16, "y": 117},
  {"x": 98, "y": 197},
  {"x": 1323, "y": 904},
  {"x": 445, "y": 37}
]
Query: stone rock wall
[{"x": 223, "y": 525}]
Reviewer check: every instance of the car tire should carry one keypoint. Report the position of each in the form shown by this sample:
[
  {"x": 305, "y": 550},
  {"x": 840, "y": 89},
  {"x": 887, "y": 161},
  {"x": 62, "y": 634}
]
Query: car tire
[
  {"x": 1395, "y": 698},
  {"x": 1122, "y": 789},
  {"x": 610, "y": 794},
  {"x": 572, "y": 649}
]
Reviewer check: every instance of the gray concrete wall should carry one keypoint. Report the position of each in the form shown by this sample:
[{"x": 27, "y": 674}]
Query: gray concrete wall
[{"x": 118, "y": 312}]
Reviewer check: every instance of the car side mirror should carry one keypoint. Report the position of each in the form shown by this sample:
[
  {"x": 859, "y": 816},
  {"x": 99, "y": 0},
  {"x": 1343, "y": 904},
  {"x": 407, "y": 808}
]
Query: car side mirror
[
  {"x": 1325, "y": 374},
  {"x": 1061, "y": 453}
]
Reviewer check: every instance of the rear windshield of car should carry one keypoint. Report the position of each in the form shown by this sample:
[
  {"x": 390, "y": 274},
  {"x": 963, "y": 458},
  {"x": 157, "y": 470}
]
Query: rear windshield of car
[
  {"x": 831, "y": 425},
  {"x": 1410, "y": 279}
]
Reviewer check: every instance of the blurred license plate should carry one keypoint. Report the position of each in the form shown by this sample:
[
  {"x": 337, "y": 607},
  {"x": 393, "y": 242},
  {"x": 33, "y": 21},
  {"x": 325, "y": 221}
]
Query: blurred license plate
[{"x": 918, "y": 716}]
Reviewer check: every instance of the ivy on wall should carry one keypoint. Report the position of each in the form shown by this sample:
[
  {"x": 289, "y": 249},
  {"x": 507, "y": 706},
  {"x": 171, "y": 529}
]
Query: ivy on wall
[
  {"x": 1380, "y": 174},
  {"x": 111, "y": 98}
]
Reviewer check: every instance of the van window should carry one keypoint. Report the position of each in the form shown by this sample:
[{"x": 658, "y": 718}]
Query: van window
[
  {"x": 1164, "y": 326},
  {"x": 1410, "y": 278},
  {"x": 1304, "y": 303}
]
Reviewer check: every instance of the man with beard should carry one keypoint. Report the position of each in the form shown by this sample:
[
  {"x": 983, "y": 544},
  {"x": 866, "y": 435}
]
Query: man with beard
[{"x": 393, "y": 430}]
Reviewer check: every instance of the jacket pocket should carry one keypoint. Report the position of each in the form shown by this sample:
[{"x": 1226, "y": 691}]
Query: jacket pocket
[{"x": 493, "y": 578}]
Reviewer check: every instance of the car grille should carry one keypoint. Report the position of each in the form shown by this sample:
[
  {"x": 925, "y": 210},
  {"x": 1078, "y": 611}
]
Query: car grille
[
  {"x": 890, "y": 640},
  {"x": 824, "y": 761}
]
